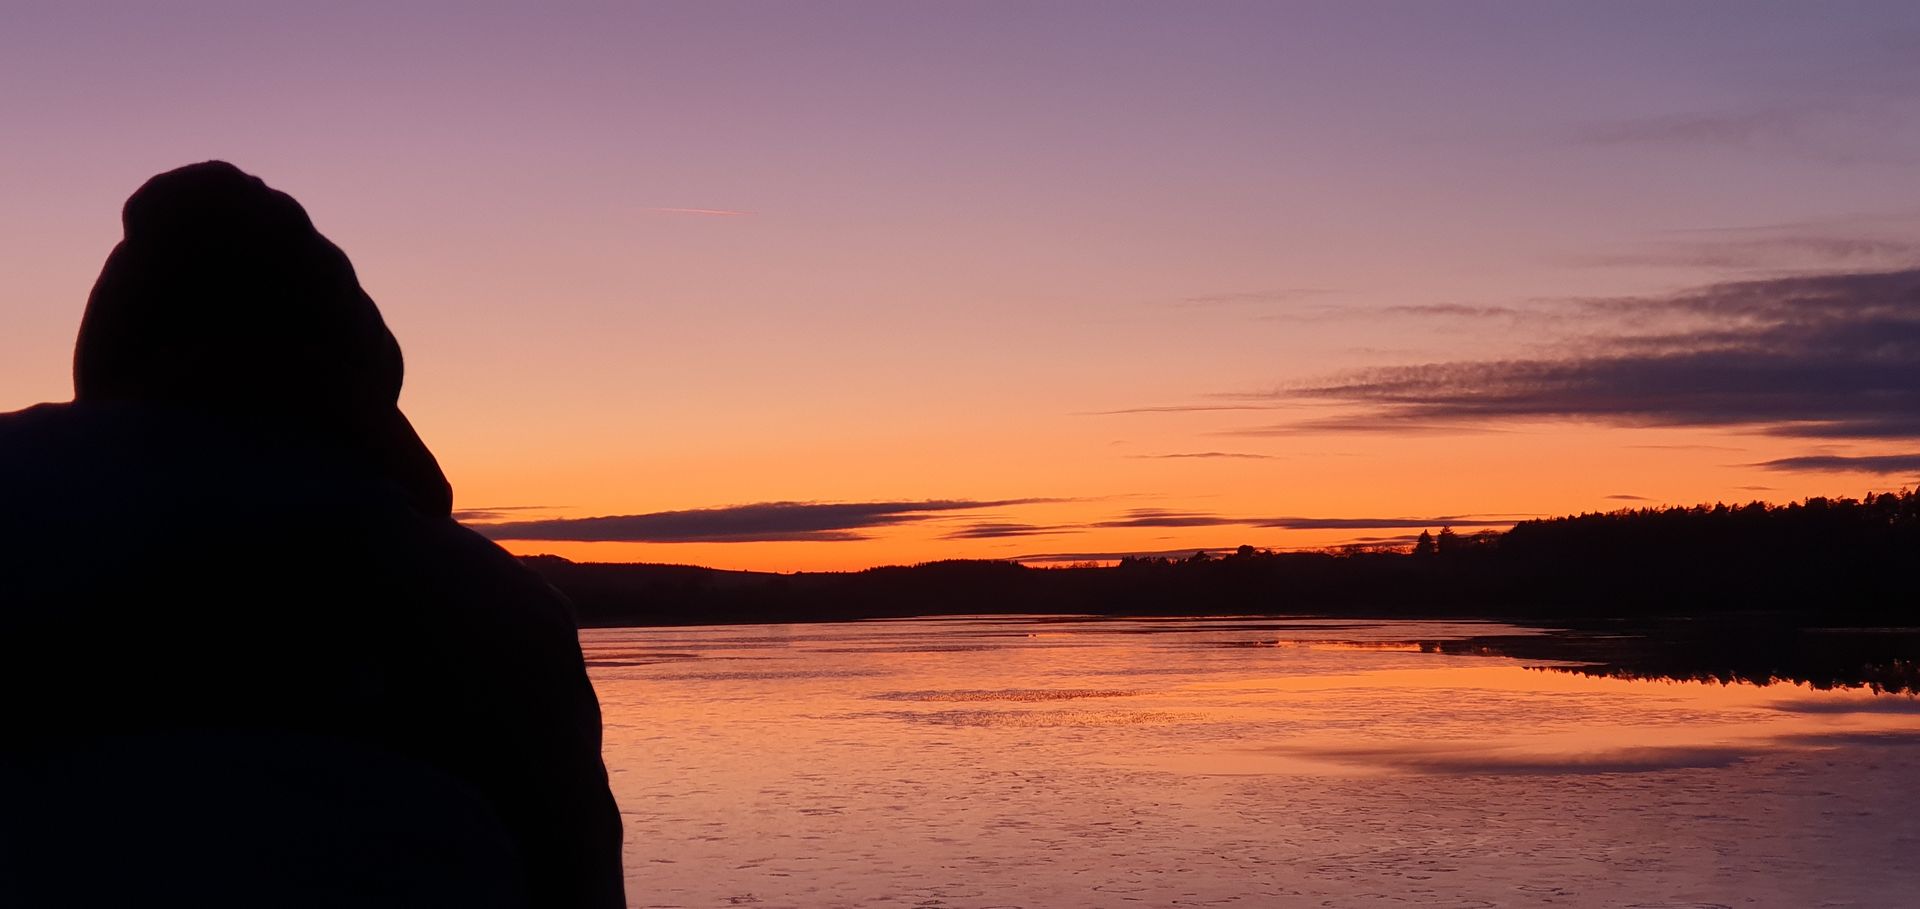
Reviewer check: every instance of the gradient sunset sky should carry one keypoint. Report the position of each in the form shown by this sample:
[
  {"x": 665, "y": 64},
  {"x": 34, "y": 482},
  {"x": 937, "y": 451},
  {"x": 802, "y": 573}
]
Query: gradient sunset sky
[{"x": 801, "y": 286}]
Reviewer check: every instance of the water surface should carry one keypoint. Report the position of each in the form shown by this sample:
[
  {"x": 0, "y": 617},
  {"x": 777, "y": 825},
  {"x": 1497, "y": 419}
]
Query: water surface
[{"x": 1059, "y": 762}]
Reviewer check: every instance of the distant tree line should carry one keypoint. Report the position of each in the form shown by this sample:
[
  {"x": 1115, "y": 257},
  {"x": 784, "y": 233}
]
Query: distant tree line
[
  {"x": 1820, "y": 591},
  {"x": 1843, "y": 559}
]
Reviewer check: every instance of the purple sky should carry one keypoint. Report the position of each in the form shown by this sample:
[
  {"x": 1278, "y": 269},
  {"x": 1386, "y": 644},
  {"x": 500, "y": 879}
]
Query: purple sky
[{"x": 953, "y": 239}]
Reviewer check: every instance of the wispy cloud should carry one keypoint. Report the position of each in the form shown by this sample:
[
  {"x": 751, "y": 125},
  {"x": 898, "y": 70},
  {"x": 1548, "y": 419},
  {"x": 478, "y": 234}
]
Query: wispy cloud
[
  {"x": 999, "y": 529},
  {"x": 1865, "y": 129},
  {"x": 1845, "y": 222},
  {"x": 1624, "y": 497},
  {"x": 1357, "y": 424},
  {"x": 1395, "y": 539},
  {"x": 755, "y": 523},
  {"x": 1881, "y": 464},
  {"x": 1773, "y": 254},
  {"x": 1455, "y": 310},
  {"x": 1138, "y": 518},
  {"x": 1161, "y": 517}
]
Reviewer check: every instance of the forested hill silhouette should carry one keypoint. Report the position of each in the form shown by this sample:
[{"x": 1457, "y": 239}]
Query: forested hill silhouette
[{"x": 1839, "y": 560}]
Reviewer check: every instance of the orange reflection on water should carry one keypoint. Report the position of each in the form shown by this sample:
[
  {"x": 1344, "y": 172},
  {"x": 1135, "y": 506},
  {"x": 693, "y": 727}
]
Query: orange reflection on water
[
  {"x": 1047, "y": 762},
  {"x": 1507, "y": 718}
]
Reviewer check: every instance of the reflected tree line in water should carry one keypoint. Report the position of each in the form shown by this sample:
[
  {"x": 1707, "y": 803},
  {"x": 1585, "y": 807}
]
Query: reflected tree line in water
[
  {"x": 1819, "y": 591},
  {"x": 1753, "y": 649}
]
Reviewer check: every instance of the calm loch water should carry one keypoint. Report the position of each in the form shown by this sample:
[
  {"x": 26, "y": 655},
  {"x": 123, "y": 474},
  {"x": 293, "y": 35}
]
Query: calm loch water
[{"x": 1052, "y": 763}]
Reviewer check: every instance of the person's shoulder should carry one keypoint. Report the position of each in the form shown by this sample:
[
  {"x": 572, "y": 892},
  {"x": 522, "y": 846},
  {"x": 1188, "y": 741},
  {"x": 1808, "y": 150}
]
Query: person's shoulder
[
  {"x": 20, "y": 426},
  {"x": 28, "y": 416},
  {"x": 526, "y": 584},
  {"x": 52, "y": 427},
  {"x": 476, "y": 573},
  {"x": 55, "y": 440}
]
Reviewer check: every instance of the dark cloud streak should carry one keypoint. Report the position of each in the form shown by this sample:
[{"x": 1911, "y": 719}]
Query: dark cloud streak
[
  {"x": 756, "y": 523},
  {"x": 999, "y": 530},
  {"x": 1160, "y": 517},
  {"x": 485, "y": 513},
  {"x": 1831, "y": 356},
  {"x": 1846, "y": 464}
]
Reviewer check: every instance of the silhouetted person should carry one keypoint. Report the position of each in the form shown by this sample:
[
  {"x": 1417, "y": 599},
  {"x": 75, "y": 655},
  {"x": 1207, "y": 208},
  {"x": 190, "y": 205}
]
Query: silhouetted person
[{"x": 246, "y": 656}]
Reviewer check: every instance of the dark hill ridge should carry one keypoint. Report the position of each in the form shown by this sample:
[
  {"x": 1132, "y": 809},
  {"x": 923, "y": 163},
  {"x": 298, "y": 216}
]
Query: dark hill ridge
[{"x": 1841, "y": 561}]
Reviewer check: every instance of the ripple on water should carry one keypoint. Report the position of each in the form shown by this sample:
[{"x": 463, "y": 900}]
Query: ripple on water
[
  {"x": 1417, "y": 758},
  {"x": 1678, "y": 906},
  {"x": 1005, "y": 694},
  {"x": 1163, "y": 769},
  {"x": 1038, "y": 719},
  {"x": 605, "y": 658},
  {"x": 766, "y": 675},
  {"x": 913, "y": 648}
]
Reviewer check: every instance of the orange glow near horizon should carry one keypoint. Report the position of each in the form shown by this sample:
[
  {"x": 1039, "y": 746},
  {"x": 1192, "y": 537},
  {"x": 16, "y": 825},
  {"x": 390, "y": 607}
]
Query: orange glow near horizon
[
  {"x": 1217, "y": 262},
  {"x": 1541, "y": 472}
]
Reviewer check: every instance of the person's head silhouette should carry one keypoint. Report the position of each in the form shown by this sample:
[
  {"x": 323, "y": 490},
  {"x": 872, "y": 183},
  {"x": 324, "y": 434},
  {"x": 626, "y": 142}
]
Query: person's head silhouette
[
  {"x": 224, "y": 297},
  {"x": 238, "y": 623}
]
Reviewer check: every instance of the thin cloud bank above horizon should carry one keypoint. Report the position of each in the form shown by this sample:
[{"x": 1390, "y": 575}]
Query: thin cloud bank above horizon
[
  {"x": 1882, "y": 464},
  {"x": 1164, "y": 518},
  {"x": 490, "y": 513},
  {"x": 761, "y": 522},
  {"x": 1815, "y": 357}
]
